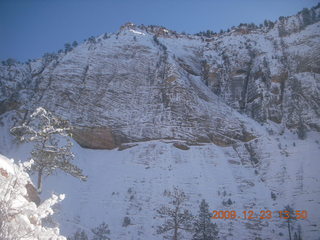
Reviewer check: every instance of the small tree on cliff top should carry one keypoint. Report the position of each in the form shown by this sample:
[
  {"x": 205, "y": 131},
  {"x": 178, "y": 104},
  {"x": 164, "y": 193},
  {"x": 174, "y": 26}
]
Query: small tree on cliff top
[{"x": 52, "y": 148}]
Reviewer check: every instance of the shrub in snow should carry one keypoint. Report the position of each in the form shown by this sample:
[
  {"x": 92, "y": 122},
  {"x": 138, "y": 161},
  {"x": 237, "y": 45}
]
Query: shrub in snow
[
  {"x": 52, "y": 148},
  {"x": 79, "y": 235},
  {"x": 126, "y": 221},
  {"x": 101, "y": 232},
  {"x": 20, "y": 217}
]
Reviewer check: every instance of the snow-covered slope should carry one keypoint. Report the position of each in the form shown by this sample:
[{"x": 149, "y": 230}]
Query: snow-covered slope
[{"x": 131, "y": 183}]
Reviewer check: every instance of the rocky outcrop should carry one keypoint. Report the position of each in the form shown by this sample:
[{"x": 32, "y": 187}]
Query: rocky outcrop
[
  {"x": 32, "y": 194},
  {"x": 97, "y": 137}
]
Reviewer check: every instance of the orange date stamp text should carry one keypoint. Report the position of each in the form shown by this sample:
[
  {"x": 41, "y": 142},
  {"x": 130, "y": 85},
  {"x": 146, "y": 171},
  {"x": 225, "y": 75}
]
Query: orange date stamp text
[{"x": 263, "y": 214}]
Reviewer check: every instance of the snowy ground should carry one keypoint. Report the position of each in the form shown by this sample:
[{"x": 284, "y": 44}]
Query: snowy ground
[{"x": 131, "y": 183}]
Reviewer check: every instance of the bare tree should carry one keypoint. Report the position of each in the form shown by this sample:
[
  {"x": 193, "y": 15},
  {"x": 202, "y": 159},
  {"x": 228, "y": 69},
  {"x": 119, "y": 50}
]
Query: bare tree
[
  {"x": 177, "y": 218},
  {"x": 289, "y": 215},
  {"x": 297, "y": 235}
]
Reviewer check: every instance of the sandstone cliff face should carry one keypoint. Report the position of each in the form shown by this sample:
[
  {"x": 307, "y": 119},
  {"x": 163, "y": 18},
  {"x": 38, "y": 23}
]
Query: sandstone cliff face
[
  {"x": 263, "y": 75},
  {"x": 148, "y": 83}
]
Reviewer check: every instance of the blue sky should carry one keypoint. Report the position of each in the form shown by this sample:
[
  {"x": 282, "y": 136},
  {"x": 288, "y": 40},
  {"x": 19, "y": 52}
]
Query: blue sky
[{"x": 29, "y": 28}]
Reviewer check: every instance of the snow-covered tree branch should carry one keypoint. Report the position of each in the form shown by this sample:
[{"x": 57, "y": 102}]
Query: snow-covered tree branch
[
  {"x": 20, "y": 217},
  {"x": 52, "y": 145}
]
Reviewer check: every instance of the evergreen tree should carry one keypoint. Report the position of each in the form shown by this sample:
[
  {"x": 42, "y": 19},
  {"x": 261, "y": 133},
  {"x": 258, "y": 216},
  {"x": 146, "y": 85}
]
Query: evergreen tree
[
  {"x": 301, "y": 129},
  {"x": 79, "y": 235},
  {"x": 203, "y": 227},
  {"x": 208, "y": 33},
  {"x": 105, "y": 36},
  {"x": 10, "y": 62},
  {"x": 52, "y": 148},
  {"x": 268, "y": 24},
  {"x": 295, "y": 109},
  {"x": 67, "y": 47},
  {"x": 252, "y": 26},
  {"x": 271, "y": 24},
  {"x": 74, "y": 44},
  {"x": 126, "y": 221},
  {"x": 313, "y": 15},
  {"x": 177, "y": 218},
  {"x": 156, "y": 40},
  {"x": 306, "y": 17},
  {"x": 92, "y": 39},
  {"x": 101, "y": 232},
  {"x": 48, "y": 58}
]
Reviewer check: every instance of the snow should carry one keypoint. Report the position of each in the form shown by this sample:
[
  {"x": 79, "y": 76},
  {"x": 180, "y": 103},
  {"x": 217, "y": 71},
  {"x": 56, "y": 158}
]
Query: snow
[
  {"x": 137, "y": 32},
  {"x": 21, "y": 218},
  {"x": 6, "y": 164},
  {"x": 131, "y": 183}
]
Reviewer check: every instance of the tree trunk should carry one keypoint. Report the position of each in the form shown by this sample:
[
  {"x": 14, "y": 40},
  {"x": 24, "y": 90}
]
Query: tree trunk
[
  {"x": 289, "y": 230},
  {"x": 176, "y": 225},
  {"x": 40, "y": 180},
  {"x": 175, "y": 236}
]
